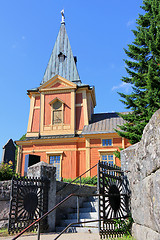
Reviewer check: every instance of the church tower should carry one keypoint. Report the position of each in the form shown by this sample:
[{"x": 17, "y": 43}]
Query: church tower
[{"x": 62, "y": 127}]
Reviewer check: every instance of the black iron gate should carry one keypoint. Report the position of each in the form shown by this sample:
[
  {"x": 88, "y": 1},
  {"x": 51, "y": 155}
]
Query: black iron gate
[
  {"x": 29, "y": 201},
  {"x": 113, "y": 200}
]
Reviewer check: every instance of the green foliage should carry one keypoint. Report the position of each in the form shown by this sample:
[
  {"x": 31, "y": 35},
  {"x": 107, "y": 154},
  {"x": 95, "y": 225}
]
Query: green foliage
[
  {"x": 6, "y": 171},
  {"x": 117, "y": 153},
  {"x": 124, "y": 225},
  {"x": 143, "y": 73},
  {"x": 84, "y": 180},
  {"x": 124, "y": 238}
]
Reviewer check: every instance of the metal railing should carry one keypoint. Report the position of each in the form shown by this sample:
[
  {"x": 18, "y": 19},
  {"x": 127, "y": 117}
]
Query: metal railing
[
  {"x": 54, "y": 208},
  {"x": 64, "y": 200},
  {"x": 79, "y": 177}
]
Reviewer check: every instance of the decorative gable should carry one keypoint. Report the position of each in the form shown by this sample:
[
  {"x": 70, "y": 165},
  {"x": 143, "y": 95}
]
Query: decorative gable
[
  {"x": 57, "y": 82},
  {"x": 58, "y": 85}
]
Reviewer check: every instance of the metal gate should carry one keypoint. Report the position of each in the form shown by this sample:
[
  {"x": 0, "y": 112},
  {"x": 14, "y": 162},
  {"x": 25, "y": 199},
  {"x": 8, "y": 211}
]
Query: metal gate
[
  {"x": 29, "y": 201},
  {"x": 113, "y": 200}
]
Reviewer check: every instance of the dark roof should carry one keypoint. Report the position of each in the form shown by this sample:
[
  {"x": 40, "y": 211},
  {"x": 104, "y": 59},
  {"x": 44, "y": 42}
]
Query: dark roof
[
  {"x": 103, "y": 123},
  {"x": 62, "y": 62},
  {"x": 9, "y": 144},
  {"x": 52, "y": 137}
]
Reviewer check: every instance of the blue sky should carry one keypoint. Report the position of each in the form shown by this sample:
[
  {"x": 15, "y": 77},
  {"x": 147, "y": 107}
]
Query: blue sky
[{"x": 98, "y": 31}]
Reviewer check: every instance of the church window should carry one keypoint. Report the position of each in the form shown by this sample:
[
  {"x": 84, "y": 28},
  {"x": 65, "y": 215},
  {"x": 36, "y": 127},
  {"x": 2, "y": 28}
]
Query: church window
[
  {"x": 57, "y": 112},
  {"x": 107, "y": 158},
  {"x": 106, "y": 142},
  {"x": 55, "y": 160}
]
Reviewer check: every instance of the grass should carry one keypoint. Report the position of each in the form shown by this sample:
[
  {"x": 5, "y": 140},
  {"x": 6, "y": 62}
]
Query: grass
[
  {"x": 4, "y": 233},
  {"x": 123, "y": 238}
]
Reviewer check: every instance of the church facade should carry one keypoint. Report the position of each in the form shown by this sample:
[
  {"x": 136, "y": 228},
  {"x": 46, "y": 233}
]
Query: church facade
[{"x": 62, "y": 127}]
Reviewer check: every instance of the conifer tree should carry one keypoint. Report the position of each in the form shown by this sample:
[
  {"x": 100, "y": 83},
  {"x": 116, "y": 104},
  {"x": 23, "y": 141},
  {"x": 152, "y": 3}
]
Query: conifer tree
[{"x": 143, "y": 72}]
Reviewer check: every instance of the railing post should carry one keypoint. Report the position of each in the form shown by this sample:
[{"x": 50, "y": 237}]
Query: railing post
[
  {"x": 39, "y": 232},
  {"x": 98, "y": 191},
  {"x": 77, "y": 208},
  {"x": 80, "y": 181}
]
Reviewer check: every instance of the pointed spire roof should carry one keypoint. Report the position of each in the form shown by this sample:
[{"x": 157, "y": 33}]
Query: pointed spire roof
[{"x": 62, "y": 62}]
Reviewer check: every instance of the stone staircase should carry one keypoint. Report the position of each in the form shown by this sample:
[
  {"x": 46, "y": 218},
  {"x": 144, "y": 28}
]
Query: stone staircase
[{"x": 88, "y": 211}]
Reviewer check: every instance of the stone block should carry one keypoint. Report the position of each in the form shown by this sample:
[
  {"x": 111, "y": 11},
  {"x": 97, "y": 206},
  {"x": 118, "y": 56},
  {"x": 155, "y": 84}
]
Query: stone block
[
  {"x": 140, "y": 232},
  {"x": 45, "y": 170}
]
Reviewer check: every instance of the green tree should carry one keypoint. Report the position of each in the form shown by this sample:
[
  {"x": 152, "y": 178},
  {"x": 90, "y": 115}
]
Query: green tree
[{"x": 143, "y": 72}]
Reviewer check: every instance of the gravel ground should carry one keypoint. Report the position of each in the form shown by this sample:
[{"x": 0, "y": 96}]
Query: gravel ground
[{"x": 51, "y": 236}]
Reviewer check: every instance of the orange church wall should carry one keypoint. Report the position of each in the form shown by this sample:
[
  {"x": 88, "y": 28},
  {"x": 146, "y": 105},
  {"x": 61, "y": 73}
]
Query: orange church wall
[
  {"x": 118, "y": 162},
  {"x": 117, "y": 142},
  {"x": 95, "y": 142},
  {"x": 79, "y": 98},
  {"x": 66, "y": 98},
  {"x": 79, "y": 118},
  {"x": 94, "y": 160},
  {"x": 127, "y": 143},
  {"x": 37, "y": 101},
  {"x": 35, "y": 123},
  {"x": 73, "y": 160},
  {"x": 81, "y": 162}
]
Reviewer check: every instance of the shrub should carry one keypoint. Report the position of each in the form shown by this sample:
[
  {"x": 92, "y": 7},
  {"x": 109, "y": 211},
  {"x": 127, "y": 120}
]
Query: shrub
[
  {"x": 84, "y": 180},
  {"x": 6, "y": 171},
  {"x": 124, "y": 225}
]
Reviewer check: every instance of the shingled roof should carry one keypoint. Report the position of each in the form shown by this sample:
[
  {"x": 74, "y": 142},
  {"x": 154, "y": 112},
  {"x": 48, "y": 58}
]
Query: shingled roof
[
  {"x": 62, "y": 62},
  {"x": 103, "y": 123}
]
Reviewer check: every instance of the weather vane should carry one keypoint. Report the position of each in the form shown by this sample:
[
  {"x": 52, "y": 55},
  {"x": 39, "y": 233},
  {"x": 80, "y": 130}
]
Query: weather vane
[{"x": 63, "y": 17}]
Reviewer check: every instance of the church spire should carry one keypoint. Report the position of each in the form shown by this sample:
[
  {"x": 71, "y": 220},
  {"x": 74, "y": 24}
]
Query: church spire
[{"x": 62, "y": 62}]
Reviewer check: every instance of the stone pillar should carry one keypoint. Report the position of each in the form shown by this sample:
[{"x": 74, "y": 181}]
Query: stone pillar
[{"x": 48, "y": 171}]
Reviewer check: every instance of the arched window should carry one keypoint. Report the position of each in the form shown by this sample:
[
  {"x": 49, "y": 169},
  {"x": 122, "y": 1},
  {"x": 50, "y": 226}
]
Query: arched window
[
  {"x": 57, "y": 112},
  {"x": 57, "y": 107}
]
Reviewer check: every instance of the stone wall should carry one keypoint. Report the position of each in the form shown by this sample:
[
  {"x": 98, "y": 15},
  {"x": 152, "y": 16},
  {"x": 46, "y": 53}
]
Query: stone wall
[
  {"x": 57, "y": 192},
  {"x": 5, "y": 190},
  {"x": 142, "y": 161}
]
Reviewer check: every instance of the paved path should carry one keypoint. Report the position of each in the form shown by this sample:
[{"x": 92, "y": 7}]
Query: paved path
[{"x": 66, "y": 236}]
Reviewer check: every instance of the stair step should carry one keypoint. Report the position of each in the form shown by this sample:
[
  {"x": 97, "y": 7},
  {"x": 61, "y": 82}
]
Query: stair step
[
  {"x": 66, "y": 222},
  {"x": 88, "y": 209},
  {"x": 90, "y": 204},
  {"x": 92, "y": 199},
  {"x": 89, "y": 215},
  {"x": 78, "y": 229}
]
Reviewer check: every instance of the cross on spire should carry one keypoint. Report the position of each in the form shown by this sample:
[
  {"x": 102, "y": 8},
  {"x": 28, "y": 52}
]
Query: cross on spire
[{"x": 63, "y": 17}]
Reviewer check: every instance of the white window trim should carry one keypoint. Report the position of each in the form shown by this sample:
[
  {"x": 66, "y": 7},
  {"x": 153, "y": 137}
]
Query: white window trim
[
  {"x": 55, "y": 153},
  {"x": 107, "y": 152}
]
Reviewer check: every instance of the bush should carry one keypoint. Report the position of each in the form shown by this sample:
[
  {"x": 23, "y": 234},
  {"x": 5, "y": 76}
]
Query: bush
[
  {"x": 124, "y": 225},
  {"x": 6, "y": 171},
  {"x": 84, "y": 180}
]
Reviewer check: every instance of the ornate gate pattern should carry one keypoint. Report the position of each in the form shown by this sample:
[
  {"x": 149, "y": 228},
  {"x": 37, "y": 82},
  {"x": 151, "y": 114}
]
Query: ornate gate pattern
[
  {"x": 114, "y": 201},
  {"x": 29, "y": 201}
]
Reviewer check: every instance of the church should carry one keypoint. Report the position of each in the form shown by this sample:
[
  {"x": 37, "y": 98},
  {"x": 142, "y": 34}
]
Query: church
[{"x": 63, "y": 129}]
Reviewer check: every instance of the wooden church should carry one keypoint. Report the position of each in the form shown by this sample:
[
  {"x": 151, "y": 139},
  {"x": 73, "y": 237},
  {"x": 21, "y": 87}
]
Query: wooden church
[{"x": 63, "y": 129}]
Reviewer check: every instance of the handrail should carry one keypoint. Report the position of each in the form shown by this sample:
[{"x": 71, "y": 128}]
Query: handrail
[
  {"x": 76, "y": 223},
  {"x": 64, "y": 200},
  {"x": 80, "y": 178},
  {"x": 47, "y": 213},
  {"x": 44, "y": 216}
]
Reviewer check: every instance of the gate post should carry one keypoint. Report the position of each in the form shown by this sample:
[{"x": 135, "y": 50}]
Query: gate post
[{"x": 46, "y": 171}]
